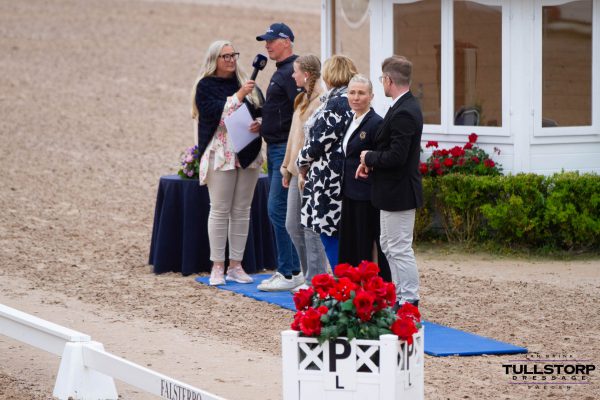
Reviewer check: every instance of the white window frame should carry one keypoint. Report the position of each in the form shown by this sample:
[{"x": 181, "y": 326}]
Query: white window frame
[
  {"x": 594, "y": 128},
  {"x": 326, "y": 36},
  {"x": 446, "y": 126},
  {"x": 327, "y": 45}
]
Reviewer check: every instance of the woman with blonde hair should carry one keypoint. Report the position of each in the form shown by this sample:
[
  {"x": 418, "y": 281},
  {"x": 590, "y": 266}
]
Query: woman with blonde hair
[
  {"x": 307, "y": 74},
  {"x": 321, "y": 159},
  {"x": 230, "y": 176}
]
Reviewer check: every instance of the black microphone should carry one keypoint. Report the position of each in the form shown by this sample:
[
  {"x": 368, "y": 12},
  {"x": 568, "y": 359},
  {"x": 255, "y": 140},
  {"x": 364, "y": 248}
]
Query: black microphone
[{"x": 259, "y": 64}]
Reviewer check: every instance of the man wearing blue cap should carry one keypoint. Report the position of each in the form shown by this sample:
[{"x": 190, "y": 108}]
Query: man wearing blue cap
[{"x": 277, "y": 114}]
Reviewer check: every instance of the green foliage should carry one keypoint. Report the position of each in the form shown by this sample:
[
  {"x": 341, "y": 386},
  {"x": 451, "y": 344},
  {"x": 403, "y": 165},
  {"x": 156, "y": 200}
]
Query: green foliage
[
  {"x": 573, "y": 210},
  {"x": 425, "y": 220},
  {"x": 525, "y": 210},
  {"x": 516, "y": 213},
  {"x": 458, "y": 199}
]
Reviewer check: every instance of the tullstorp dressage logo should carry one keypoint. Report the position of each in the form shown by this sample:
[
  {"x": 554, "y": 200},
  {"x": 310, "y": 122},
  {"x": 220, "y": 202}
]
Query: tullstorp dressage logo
[{"x": 549, "y": 371}]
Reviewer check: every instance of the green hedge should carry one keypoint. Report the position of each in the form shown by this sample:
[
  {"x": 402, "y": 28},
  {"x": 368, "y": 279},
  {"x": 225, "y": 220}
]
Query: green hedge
[{"x": 561, "y": 211}]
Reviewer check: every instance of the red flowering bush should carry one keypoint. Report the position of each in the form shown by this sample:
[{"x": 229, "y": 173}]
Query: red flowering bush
[
  {"x": 356, "y": 303},
  {"x": 468, "y": 159}
]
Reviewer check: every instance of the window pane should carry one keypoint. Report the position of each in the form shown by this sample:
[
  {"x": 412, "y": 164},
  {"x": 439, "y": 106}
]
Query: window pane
[
  {"x": 350, "y": 28},
  {"x": 477, "y": 64},
  {"x": 567, "y": 64},
  {"x": 417, "y": 36}
]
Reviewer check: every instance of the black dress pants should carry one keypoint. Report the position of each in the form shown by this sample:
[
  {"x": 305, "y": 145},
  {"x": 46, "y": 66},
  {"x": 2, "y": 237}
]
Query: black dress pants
[{"x": 359, "y": 229}]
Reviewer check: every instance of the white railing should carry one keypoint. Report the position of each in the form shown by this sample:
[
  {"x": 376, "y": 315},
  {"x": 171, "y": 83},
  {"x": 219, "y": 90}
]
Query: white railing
[
  {"x": 86, "y": 371},
  {"x": 36, "y": 332}
]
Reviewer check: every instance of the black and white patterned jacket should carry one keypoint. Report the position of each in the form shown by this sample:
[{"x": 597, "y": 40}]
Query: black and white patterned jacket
[{"x": 322, "y": 154}]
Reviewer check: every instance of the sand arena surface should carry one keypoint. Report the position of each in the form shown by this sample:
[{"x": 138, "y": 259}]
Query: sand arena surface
[{"x": 94, "y": 100}]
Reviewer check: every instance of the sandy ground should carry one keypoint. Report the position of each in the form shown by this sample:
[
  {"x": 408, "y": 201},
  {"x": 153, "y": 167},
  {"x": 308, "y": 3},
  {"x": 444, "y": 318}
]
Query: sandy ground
[{"x": 94, "y": 100}]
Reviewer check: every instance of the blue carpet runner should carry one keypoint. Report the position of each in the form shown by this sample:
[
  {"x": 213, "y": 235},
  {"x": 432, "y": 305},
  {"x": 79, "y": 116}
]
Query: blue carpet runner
[{"x": 440, "y": 340}]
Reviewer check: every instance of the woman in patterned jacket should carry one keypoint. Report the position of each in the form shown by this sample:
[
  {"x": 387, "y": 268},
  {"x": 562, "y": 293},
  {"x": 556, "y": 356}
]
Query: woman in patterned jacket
[{"x": 321, "y": 160}]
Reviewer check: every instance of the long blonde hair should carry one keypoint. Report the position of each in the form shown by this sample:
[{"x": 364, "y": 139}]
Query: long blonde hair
[
  {"x": 312, "y": 66},
  {"x": 209, "y": 68}
]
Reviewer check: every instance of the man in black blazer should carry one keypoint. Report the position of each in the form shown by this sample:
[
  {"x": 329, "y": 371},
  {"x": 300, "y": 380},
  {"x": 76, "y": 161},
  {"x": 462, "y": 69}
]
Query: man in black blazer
[{"x": 396, "y": 181}]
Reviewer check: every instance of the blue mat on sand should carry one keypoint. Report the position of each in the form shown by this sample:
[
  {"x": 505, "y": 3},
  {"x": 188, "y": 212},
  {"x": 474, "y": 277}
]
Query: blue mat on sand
[{"x": 440, "y": 340}]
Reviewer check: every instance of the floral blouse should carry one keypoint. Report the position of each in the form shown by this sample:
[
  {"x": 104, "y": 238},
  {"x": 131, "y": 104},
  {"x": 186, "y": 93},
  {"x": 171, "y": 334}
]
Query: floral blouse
[{"x": 221, "y": 148}]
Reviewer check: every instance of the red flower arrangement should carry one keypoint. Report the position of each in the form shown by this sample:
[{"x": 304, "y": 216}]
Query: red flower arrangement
[
  {"x": 355, "y": 303},
  {"x": 468, "y": 159}
]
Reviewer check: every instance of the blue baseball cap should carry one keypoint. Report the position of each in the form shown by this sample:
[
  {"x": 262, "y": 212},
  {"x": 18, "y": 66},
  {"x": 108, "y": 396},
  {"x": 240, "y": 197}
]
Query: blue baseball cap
[{"x": 277, "y": 31}]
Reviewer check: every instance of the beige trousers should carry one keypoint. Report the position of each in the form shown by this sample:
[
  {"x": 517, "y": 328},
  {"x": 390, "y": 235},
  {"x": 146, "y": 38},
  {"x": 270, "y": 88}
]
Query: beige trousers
[
  {"x": 231, "y": 194},
  {"x": 396, "y": 243}
]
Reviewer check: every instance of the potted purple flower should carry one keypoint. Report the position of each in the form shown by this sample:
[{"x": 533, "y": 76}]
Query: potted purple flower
[{"x": 190, "y": 161}]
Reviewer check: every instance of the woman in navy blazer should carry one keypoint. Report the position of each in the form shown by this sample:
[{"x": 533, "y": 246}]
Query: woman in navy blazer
[{"x": 359, "y": 224}]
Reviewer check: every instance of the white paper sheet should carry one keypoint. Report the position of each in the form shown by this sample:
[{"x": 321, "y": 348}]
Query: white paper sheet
[{"x": 238, "y": 128}]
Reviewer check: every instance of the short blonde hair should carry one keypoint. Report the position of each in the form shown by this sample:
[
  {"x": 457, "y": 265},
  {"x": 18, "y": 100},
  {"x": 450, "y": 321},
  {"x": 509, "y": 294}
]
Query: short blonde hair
[
  {"x": 338, "y": 70},
  {"x": 360, "y": 78}
]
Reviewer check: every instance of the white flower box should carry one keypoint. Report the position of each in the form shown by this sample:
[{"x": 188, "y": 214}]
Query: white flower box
[{"x": 384, "y": 369}]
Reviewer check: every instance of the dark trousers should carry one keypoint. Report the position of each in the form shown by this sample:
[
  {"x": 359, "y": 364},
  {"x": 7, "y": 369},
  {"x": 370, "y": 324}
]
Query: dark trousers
[{"x": 359, "y": 229}]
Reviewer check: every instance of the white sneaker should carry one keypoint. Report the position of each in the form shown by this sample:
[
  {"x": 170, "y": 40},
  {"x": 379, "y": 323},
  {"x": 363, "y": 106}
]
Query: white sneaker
[
  {"x": 237, "y": 274},
  {"x": 297, "y": 288},
  {"x": 269, "y": 279},
  {"x": 279, "y": 283},
  {"x": 298, "y": 279},
  {"x": 216, "y": 276}
]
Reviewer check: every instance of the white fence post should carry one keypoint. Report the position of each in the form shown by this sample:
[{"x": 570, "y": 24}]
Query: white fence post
[
  {"x": 388, "y": 365},
  {"x": 289, "y": 352},
  {"x": 76, "y": 381}
]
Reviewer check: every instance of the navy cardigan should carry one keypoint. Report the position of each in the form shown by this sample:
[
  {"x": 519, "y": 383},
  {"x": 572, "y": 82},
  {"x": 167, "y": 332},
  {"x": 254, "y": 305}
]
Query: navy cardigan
[
  {"x": 211, "y": 96},
  {"x": 363, "y": 138}
]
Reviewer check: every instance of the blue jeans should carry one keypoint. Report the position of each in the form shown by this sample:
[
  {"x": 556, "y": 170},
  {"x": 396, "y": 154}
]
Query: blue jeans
[
  {"x": 287, "y": 257},
  {"x": 331, "y": 244}
]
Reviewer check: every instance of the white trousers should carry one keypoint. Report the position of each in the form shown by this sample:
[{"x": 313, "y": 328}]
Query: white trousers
[
  {"x": 231, "y": 194},
  {"x": 396, "y": 242}
]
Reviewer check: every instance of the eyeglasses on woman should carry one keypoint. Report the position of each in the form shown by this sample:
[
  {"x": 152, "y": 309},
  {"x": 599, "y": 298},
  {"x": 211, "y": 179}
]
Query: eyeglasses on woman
[{"x": 230, "y": 56}]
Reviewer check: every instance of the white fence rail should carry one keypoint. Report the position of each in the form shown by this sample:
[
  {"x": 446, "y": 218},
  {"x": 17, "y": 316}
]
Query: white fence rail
[
  {"x": 86, "y": 371},
  {"x": 37, "y": 332}
]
